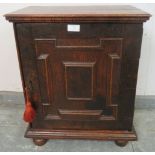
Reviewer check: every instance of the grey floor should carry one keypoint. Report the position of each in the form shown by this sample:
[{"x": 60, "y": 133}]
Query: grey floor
[{"x": 12, "y": 129}]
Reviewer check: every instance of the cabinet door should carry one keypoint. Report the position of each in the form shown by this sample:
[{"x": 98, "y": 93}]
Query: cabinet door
[{"x": 79, "y": 79}]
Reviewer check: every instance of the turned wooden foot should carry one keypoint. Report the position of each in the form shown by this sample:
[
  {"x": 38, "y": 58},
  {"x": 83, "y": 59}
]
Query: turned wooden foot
[
  {"x": 39, "y": 141},
  {"x": 121, "y": 142}
]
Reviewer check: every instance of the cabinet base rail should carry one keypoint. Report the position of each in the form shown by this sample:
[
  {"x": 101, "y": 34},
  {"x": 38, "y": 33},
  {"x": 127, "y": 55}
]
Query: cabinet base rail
[{"x": 121, "y": 137}]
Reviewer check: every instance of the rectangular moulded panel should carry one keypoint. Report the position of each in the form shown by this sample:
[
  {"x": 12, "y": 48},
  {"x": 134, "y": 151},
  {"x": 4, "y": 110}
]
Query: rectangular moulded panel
[{"x": 79, "y": 81}]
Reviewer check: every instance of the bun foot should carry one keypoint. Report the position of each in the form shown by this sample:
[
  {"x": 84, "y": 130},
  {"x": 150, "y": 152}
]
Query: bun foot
[
  {"x": 39, "y": 141},
  {"x": 121, "y": 142}
]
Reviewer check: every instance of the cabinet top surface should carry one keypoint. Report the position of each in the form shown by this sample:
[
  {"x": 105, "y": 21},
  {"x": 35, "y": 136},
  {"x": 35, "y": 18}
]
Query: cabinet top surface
[{"x": 78, "y": 13}]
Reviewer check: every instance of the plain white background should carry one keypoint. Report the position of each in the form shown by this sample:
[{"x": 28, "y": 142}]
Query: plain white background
[{"x": 9, "y": 68}]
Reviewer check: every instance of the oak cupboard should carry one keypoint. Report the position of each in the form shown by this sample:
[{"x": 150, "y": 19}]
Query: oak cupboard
[{"x": 80, "y": 65}]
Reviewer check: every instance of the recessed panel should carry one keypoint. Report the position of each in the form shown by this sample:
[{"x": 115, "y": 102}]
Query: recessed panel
[
  {"x": 43, "y": 64},
  {"x": 79, "y": 80}
]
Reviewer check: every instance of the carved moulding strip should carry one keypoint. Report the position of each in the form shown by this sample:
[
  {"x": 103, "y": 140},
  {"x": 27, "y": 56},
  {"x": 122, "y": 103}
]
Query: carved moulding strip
[{"x": 82, "y": 134}]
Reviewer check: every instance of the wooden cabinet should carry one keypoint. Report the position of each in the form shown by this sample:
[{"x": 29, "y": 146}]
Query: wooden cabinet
[{"x": 80, "y": 65}]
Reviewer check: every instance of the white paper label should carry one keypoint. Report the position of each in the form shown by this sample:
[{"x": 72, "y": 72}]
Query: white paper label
[{"x": 73, "y": 28}]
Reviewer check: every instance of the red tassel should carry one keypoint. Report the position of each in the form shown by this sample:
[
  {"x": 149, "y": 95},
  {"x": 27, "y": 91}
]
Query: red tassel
[{"x": 29, "y": 113}]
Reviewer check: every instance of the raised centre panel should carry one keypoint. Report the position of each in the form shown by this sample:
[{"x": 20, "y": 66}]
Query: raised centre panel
[
  {"x": 79, "y": 80},
  {"x": 73, "y": 83}
]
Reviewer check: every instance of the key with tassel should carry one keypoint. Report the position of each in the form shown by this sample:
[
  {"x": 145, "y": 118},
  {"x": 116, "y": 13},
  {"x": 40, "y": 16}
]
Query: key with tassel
[{"x": 29, "y": 113}]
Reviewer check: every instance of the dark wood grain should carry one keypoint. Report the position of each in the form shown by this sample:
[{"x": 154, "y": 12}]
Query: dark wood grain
[
  {"x": 115, "y": 135},
  {"x": 82, "y": 84},
  {"x": 78, "y": 13}
]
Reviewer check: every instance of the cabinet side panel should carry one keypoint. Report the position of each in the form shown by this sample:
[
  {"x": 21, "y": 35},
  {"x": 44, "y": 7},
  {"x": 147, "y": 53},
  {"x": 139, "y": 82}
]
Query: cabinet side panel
[
  {"x": 19, "y": 56},
  {"x": 27, "y": 62},
  {"x": 129, "y": 70}
]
